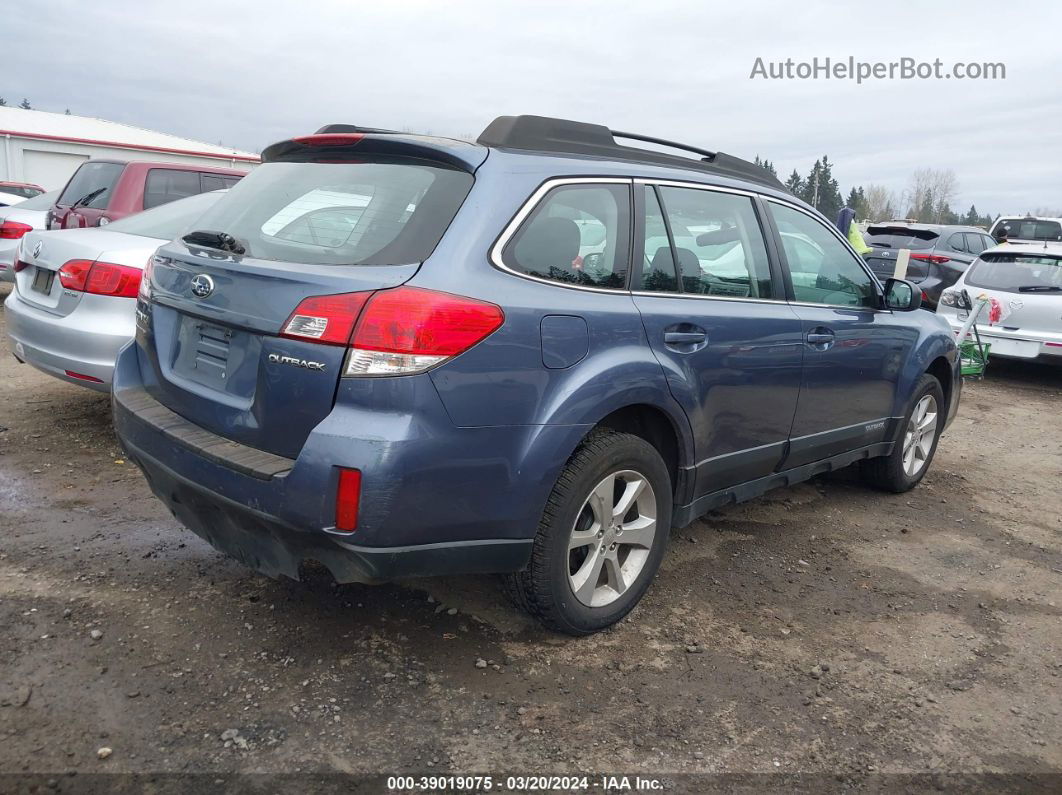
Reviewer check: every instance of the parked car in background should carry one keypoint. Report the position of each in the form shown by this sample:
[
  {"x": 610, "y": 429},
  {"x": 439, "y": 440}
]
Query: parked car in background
[
  {"x": 15, "y": 222},
  {"x": 939, "y": 253},
  {"x": 1024, "y": 282},
  {"x": 1029, "y": 228},
  {"x": 101, "y": 191},
  {"x": 10, "y": 199},
  {"x": 27, "y": 190},
  {"x": 488, "y": 359},
  {"x": 74, "y": 301}
]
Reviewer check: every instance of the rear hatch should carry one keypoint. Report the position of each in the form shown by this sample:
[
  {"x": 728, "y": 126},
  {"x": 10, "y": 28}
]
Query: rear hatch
[
  {"x": 887, "y": 240},
  {"x": 1027, "y": 288},
  {"x": 323, "y": 216}
]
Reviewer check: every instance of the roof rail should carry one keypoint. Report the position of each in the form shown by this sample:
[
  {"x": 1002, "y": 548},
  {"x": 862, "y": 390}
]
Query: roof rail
[{"x": 562, "y": 136}]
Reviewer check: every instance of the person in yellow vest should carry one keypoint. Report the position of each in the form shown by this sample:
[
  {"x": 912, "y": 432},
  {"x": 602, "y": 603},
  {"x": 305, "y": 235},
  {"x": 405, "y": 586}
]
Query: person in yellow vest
[{"x": 849, "y": 228}]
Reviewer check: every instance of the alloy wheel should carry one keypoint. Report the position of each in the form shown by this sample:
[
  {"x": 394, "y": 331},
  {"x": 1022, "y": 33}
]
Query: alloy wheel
[
  {"x": 612, "y": 538},
  {"x": 918, "y": 439}
]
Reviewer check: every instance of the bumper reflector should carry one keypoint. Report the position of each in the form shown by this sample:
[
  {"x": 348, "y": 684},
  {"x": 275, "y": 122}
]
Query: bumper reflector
[{"x": 348, "y": 495}]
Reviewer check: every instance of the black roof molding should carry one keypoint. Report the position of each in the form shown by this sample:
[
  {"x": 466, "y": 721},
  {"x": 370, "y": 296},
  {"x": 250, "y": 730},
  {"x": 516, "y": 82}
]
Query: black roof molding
[{"x": 562, "y": 136}]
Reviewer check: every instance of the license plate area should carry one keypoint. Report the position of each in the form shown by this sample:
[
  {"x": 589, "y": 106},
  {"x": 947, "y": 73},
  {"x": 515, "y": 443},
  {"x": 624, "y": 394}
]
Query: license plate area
[
  {"x": 214, "y": 355},
  {"x": 42, "y": 281},
  {"x": 1019, "y": 349}
]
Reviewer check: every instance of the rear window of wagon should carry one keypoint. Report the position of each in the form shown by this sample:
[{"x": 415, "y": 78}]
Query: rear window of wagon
[{"x": 363, "y": 213}]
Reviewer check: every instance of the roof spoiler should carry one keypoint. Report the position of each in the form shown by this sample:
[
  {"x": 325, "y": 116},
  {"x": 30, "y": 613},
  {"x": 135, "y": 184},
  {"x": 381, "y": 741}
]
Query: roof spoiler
[{"x": 563, "y": 136}]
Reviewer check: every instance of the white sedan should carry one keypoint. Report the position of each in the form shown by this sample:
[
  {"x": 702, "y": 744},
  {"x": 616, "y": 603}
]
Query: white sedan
[
  {"x": 74, "y": 302},
  {"x": 1023, "y": 282}
]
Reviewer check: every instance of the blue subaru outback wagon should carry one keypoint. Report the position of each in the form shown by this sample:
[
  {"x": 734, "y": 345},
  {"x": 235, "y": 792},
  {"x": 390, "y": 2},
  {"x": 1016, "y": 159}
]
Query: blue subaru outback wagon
[{"x": 399, "y": 355}]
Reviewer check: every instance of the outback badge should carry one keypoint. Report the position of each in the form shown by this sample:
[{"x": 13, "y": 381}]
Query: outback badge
[{"x": 294, "y": 361}]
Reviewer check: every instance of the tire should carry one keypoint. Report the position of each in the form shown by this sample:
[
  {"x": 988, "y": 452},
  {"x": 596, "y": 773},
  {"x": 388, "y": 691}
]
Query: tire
[
  {"x": 570, "y": 585},
  {"x": 895, "y": 472}
]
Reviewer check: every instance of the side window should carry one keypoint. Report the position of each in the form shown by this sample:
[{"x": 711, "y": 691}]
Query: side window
[
  {"x": 957, "y": 242},
  {"x": 822, "y": 269},
  {"x": 169, "y": 184},
  {"x": 975, "y": 243},
  {"x": 658, "y": 264},
  {"x": 718, "y": 243},
  {"x": 212, "y": 182},
  {"x": 578, "y": 234}
]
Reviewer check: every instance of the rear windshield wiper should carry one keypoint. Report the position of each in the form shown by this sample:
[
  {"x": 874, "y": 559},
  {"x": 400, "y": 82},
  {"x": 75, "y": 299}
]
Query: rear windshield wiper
[
  {"x": 87, "y": 198},
  {"x": 222, "y": 241},
  {"x": 1040, "y": 288}
]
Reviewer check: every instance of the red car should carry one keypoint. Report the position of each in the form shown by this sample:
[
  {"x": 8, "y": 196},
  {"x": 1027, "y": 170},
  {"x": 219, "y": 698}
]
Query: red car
[
  {"x": 27, "y": 190},
  {"x": 101, "y": 191}
]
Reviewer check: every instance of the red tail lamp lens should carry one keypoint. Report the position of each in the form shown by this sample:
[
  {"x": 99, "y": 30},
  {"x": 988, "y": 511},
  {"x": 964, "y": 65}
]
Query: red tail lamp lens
[
  {"x": 325, "y": 318},
  {"x": 13, "y": 230},
  {"x": 424, "y": 322}
]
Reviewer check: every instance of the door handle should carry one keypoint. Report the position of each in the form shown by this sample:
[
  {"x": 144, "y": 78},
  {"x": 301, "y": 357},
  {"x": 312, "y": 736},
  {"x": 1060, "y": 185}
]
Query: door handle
[
  {"x": 684, "y": 337},
  {"x": 820, "y": 338}
]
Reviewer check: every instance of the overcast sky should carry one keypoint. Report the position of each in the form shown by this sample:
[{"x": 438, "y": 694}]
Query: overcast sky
[{"x": 252, "y": 73}]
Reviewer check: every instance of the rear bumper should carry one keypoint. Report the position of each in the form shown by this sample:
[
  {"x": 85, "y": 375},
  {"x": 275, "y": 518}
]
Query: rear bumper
[
  {"x": 85, "y": 342},
  {"x": 1023, "y": 345},
  {"x": 436, "y": 498},
  {"x": 264, "y": 543}
]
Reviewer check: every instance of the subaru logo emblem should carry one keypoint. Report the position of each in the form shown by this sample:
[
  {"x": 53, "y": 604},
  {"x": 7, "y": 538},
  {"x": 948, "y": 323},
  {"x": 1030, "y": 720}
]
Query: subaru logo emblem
[
  {"x": 38, "y": 247},
  {"x": 202, "y": 285}
]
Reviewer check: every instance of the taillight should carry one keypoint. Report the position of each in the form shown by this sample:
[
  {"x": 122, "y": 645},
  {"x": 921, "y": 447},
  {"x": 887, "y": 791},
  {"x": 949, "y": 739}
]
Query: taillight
[
  {"x": 100, "y": 278},
  {"x": 326, "y": 318},
  {"x": 399, "y": 331},
  {"x": 13, "y": 230},
  {"x": 936, "y": 259},
  {"x": 144, "y": 291},
  {"x": 74, "y": 274},
  {"x": 409, "y": 329},
  {"x": 348, "y": 497}
]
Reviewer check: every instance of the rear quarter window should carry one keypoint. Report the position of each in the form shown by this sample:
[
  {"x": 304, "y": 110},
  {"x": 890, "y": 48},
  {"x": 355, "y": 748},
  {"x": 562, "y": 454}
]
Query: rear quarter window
[
  {"x": 577, "y": 234},
  {"x": 164, "y": 185}
]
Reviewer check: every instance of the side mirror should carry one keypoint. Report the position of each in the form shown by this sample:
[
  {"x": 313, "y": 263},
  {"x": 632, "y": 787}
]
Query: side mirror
[{"x": 902, "y": 295}]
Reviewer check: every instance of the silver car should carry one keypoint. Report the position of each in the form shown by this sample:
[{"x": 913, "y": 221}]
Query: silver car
[
  {"x": 74, "y": 302},
  {"x": 1023, "y": 281},
  {"x": 15, "y": 222}
]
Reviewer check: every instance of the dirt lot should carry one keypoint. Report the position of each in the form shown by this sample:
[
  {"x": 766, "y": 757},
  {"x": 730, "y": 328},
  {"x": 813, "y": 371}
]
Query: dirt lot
[{"x": 825, "y": 629}]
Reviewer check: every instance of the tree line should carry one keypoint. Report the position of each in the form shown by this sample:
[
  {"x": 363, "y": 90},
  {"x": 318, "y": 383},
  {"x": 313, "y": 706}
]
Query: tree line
[
  {"x": 24, "y": 104},
  {"x": 927, "y": 197}
]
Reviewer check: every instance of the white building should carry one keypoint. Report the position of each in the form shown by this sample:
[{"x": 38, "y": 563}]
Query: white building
[{"x": 46, "y": 148}]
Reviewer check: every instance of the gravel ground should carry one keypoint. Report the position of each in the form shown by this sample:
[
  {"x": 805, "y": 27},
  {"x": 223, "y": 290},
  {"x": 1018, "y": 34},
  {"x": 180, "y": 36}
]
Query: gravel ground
[{"x": 825, "y": 630}]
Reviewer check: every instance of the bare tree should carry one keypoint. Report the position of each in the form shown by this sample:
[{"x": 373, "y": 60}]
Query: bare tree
[
  {"x": 881, "y": 203},
  {"x": 1048, "y": 212},
  {"x": 929, "y": 194}
]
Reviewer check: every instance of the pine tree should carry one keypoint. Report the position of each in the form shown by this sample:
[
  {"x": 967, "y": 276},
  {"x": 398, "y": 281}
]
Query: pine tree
[
  {"x": 3, "y": 102},
  {"x": 25, "y": 104},
  {"x": 794, "y": 184},
  {"x": 766, "y": 165},
  {"x": 67, "y": 112},
  {"x": 857, "y": 200},
  {"x": 972, "y": 217}
]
